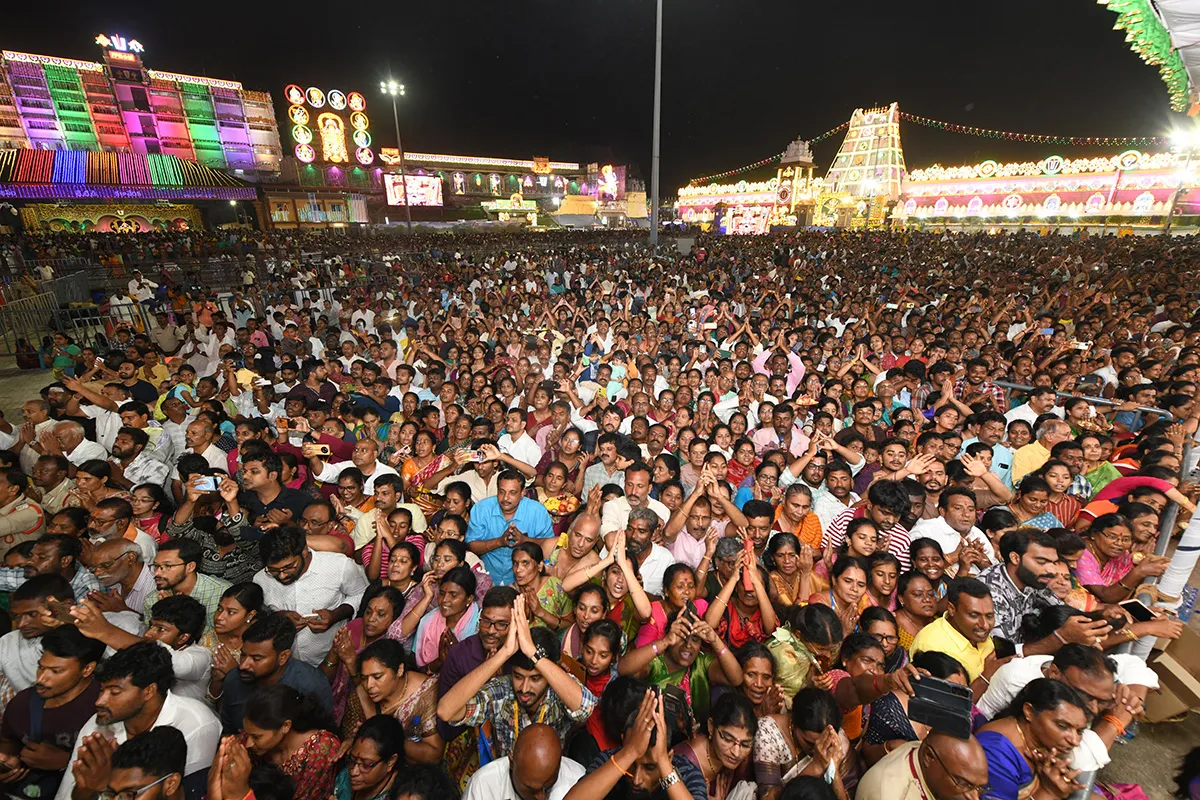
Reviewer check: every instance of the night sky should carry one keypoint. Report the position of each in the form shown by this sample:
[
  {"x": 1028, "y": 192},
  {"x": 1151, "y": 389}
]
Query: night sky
[{"x": 574, "y": 80}]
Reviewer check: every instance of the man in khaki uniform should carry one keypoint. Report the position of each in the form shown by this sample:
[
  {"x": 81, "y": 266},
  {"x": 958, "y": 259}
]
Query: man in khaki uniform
[{"x": 21, "y": 519}]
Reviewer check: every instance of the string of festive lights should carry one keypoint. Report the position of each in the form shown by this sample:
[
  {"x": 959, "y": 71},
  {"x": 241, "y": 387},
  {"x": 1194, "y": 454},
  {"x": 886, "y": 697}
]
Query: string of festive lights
[
  {"x": 726, "y": 174},
  {"x": 710, "y": 178},
  {"x": 1040, "y": 138},
  {"x": 987, "y": 133},
  {"x": 830, "y": 132}
]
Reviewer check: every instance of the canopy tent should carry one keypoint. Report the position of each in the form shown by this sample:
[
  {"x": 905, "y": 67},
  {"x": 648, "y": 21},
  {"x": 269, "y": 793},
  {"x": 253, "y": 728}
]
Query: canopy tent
[{"x": 1166, "y": 34}]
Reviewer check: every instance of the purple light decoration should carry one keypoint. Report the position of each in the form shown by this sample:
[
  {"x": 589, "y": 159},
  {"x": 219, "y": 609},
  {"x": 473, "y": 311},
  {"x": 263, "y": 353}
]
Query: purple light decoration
[{"x": 79, "y": 191}]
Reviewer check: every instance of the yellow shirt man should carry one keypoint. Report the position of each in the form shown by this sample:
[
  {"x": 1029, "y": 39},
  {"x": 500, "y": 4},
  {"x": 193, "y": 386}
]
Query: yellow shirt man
[{"x": 940, "y": 636}]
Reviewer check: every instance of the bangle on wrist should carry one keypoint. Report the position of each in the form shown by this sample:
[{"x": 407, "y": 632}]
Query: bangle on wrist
[
  {"x": 654, "y": 647},
  {"x": 1058, "y": 636}
]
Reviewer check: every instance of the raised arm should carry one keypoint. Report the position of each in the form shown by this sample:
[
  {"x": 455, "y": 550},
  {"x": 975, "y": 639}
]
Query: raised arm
[{"x": 452, "y": 707}]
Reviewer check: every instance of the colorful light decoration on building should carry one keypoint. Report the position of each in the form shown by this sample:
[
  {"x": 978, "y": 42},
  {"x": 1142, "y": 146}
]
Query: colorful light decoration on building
[
  {"x": 1130, "y": 184},
  {"x": 119, "y": 43},
  {"x": 477, "y": 161},
  {"x": 343, "y": 117},
  {"x": 176, "y": 77},
  {"x": 1077, "y": 141},
  {"x": 1150, "y": 39},
  {"x": 333, "y": 138},
  {"x": 1049, "y": 166}
]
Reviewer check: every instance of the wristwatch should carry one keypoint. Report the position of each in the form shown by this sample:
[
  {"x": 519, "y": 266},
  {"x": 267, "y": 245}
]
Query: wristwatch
[{"x": 670, "y": 780}]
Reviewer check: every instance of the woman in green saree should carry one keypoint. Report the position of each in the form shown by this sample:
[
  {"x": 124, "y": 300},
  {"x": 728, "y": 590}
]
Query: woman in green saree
[{"x": 690, "y": 656}]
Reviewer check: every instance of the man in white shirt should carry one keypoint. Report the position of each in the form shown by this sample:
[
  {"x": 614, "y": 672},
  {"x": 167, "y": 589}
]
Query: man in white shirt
[
  {"x": 141, "y": 289},
  {"x": 318, "y": 591},
  {"x": 1040, "y": 401},
  {"x": 132, "y": 465},
  {"x": 1108, "y": 684},
  {"x": 516, "y": 442},
  {"x": 536, "y": 766},
  {"x": 615, "y": 513},
  {"x": 366, "y": 452},
  {"x": 653, "y": 559},
  {"x": 176, "y": 623},
  {"x": 954, "y": 523},
  {"x": 199, "y": 438},
  {"x": 134, "y": 697},
  {"x": 67, "y": 439}
]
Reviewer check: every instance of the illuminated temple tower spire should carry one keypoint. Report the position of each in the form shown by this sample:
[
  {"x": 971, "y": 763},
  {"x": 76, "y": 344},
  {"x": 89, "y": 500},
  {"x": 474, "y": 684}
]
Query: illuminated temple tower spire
[{"x": 870, "y": 162}]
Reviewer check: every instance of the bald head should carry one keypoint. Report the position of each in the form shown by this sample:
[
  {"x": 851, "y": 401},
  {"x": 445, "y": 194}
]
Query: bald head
[
  {"x": 536, "y": 757},
  {"x": 586, "y": 522},
  {"x": 949, "y": 764},
  {"x": 69, "y": 435},
  {"x": 114, "y": 560}
]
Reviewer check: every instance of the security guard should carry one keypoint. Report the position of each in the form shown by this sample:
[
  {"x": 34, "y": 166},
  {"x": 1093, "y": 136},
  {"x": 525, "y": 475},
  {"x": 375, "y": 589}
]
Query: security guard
[{"x": 21, "y": 519}]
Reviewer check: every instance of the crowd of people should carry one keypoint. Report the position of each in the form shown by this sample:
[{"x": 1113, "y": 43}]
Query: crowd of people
[{"x": 518, "y": 516}]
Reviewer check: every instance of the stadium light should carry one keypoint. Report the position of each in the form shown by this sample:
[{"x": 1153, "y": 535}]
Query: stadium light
[{"x": 396, "y": 89}]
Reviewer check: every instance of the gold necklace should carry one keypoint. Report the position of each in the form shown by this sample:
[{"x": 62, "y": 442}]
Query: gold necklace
[{"x": 1025, "y": 742}]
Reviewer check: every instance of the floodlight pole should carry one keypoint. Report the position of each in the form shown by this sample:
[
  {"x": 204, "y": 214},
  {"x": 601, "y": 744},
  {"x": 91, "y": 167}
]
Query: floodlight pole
[
  {"x": 654, "y": 156},
  {"x": 393, "y": 88}
]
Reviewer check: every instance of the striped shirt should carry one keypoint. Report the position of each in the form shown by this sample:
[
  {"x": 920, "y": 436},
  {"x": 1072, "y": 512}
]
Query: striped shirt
[{"x": 897, "y": 537}]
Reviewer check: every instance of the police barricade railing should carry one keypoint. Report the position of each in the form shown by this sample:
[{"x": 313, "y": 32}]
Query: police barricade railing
[{"x": 27, "y": 321}]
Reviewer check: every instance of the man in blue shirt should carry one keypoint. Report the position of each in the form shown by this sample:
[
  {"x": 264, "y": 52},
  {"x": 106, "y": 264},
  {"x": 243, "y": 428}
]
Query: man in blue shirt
[
  {"x": 992, "y": 427},
  {"x": 498, "y": 523}
]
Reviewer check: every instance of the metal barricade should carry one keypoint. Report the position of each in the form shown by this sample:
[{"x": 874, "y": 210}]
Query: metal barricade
[
  {"x": 31, "y": 319},
  {"x": 25, "y": 321}
]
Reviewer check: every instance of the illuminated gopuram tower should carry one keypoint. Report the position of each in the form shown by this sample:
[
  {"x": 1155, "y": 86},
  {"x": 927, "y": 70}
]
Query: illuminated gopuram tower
[{"x": 864, "y": 180}]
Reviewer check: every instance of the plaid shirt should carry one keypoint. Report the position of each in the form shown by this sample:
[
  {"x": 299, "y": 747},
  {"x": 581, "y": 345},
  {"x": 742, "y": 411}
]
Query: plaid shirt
[
  {"x": 987, "y": 389},
  {"x": 207, "y": 591},
  {"x": 921, "y": 395},
  {"x": 496, "y": 702},
  {"x": 1080, "y": 488}
]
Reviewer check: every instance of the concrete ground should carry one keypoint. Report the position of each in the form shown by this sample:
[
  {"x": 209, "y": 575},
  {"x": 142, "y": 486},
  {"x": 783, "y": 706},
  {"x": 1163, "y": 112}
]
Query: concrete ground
[
  {"x": 17, "y": 386},
  {"x": 1151, "y": 759}
]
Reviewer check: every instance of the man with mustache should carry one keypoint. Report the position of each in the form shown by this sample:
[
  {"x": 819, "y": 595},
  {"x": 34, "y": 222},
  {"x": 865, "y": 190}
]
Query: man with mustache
[
  {"x": 135, "y": 696},
  {"x": 266, "y": 660},
  {"x": 317, "y": 591},
  {"x": 1018, "y": 585},
  {"x": 495, "y": 618},
  {"x": 538, "y": 690}
]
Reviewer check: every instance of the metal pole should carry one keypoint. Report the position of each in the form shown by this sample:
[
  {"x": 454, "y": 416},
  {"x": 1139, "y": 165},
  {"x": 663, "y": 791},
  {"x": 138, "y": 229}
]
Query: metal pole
[
  {"x": 403, "y": 179},
  {"x": 657, "y": 115},
  {"x": 1183, "y": 561},
  {"x": 1098, "y": 400},
  {"x": 1178, "y": 191}
]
